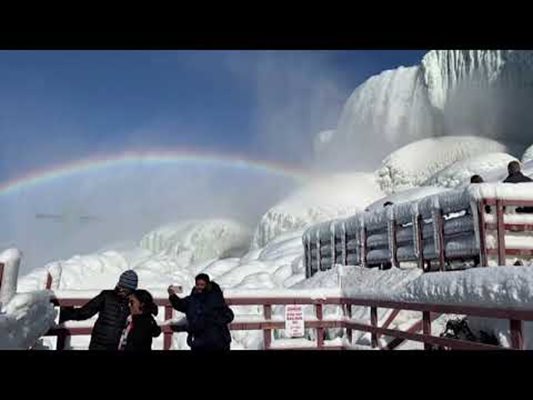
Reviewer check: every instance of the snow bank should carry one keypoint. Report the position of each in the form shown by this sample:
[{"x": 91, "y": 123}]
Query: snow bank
[
  {"x": 281, "y": 261},
  {"x": 414, "y": 164},
  {"x": 528, "y": 154},
  {"x": 497, "y": 286},
  {"x": 26, "y": 318},
  {"x": 277, "y": 265},
  {"x": 356, "y": 281},
  {"x": 171, "y": 254},
  {"x": 101, "y": 271},
  {"x": 527, "y": 168},
  {"x": 322, "y": 199},
  {"x": 196, "y": 241}
]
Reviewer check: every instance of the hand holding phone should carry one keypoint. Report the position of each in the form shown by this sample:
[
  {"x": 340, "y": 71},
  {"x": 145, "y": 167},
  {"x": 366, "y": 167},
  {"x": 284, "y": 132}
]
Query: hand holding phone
[{"x": 174, "y": 289}]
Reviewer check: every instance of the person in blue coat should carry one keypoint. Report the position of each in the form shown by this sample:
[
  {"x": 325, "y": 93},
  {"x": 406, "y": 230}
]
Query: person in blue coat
[{"x": 207, "y": 315}]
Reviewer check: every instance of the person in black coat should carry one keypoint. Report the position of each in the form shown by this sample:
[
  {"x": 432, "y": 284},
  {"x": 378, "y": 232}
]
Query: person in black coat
[
  {"x": 207, "y": 315},
  {"x": 112, "y": 309},
  {"x": 142, "y": 327},
  {"x": 476, "y": 179},
  {"x": 515, "y": 174}
]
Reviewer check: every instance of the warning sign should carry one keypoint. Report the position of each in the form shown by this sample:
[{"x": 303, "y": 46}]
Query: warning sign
[{"x": 294, "y": 321}]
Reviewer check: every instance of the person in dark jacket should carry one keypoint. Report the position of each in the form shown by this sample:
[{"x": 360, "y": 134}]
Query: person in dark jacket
[
  {"x": 515, "y": 174},
  {"x": 142, "y": 327},
  {"x": 112, "y": 309},
  {"x": 207, "y": 315},
  {"x": 476, "y": 179}
]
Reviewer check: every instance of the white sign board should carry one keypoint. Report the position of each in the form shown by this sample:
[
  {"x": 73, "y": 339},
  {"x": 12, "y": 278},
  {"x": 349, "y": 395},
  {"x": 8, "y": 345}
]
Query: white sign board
[{"x": 294, "y": 321}]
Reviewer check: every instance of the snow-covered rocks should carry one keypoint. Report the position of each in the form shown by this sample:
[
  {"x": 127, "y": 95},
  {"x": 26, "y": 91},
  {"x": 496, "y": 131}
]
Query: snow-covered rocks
[
  {"x": 459, "y": 173},
  {"x": 196, "y": 241},
  {"x": 414, "y": 164},
  {"x": 325, "y": 198}
]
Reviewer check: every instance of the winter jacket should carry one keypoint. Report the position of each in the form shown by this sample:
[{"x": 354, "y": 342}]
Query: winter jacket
[
  {"x": 208, "y": 317},
  {"x": 518, "y": 177},
  {"x": 143, "y": 329},
  {"x": 113, "y": 312}
]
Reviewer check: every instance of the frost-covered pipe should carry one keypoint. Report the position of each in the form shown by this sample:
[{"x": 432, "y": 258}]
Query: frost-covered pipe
[{"x": 11, "y": 261}]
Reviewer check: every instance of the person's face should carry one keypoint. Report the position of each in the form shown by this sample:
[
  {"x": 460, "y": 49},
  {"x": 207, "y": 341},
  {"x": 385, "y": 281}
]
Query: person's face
[
  {"x": 123, "y": 291},
  {"x": 135, "y": 305},
  {"x": 200, "y": 285}
]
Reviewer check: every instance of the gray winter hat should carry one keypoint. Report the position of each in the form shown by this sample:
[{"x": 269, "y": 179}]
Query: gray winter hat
[{"x": 128, "y": 279}]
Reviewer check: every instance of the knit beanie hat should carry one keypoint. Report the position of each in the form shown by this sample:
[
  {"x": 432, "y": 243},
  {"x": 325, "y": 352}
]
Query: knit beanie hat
[{"x": 128, "y": 280}]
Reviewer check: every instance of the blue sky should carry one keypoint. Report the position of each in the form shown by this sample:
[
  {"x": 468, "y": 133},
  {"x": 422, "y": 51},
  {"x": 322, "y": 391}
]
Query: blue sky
[{"x": 56, "y": 106}]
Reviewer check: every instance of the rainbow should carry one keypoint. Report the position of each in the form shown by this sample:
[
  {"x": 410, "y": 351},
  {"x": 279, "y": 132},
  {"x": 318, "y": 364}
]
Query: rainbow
[{"x": 148, "y": 157}]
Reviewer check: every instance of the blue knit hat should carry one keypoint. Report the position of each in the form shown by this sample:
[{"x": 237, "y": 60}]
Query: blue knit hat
[{"x": 128, "y": 280}]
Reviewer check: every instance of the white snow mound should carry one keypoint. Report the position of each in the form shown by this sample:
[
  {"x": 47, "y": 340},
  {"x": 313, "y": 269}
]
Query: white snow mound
[
  {"x": 320, "y": 200},
  {"x": 196, "y": 241},
  {"x": 459, "y": 173},
  {"x": 414, "y": 164},
  {"x": 528, "y": 154},
  {"x": 26, "y": 318}
]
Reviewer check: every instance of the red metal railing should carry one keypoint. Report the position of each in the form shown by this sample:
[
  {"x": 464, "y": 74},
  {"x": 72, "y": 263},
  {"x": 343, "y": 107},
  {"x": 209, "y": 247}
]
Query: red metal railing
[
  {"x": 411, "y": 237},
  {"x": 501, "y": 228},
  {"x": 429, "y": 312},
  {"x": 267, "y": 325}
]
